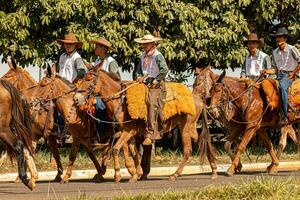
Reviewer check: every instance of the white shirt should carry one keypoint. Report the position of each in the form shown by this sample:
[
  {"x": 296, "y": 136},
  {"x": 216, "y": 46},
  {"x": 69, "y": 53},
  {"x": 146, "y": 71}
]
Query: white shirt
[
  {"x": 255, "y": 63},
  {"x": 67, "y": 68},
  {"x": 106, "y": 62}
]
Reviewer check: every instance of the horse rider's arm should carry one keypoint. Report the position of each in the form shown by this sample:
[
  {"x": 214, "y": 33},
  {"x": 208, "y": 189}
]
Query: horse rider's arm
[
  {"x": 163, "y": 67},
  {"x": 114, "y": 68},
  {"x": 296, "y": 56},
  {"x": 273, "y": 68},
  {"x": 80, "y": 68},
  {"x": 139, "y": 73},
  {"x": 267, "y": 62}
]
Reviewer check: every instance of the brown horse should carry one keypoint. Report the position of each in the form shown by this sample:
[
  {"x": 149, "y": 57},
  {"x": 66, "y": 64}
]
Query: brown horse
[
  {"x": 109, "y": 89},
  {"x": 254, "y": 113},
  {"x": 204, "y": 81},
  {"x": 15, "y": 127},
  {"x": 42, "y": 120}
]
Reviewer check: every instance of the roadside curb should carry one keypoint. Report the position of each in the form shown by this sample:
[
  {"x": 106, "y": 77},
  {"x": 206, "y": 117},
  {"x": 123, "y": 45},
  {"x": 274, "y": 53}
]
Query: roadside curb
[{"x": 156, "y": 171}]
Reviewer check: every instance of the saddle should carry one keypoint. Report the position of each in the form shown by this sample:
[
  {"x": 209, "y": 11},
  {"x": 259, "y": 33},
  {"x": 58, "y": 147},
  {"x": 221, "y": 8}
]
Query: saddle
[
  {"x": 179, "y": 99},
  {"x": 270, "y": 89}
]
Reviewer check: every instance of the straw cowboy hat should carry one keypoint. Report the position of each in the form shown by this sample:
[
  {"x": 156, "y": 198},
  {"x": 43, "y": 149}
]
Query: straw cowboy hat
[
  {"x": 147, "y": 39},
  {"x": 102, "y": 42},
  {"x": 281, "y": 32},
  {"x": 70, "y": 38},
  {"x": 252, "y": 37}
]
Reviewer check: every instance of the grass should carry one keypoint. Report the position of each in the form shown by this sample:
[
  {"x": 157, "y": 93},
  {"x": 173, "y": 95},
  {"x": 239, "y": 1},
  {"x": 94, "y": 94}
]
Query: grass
[
  {"x": 161, "y": 158},
  {"x": 261, "y": 188}
]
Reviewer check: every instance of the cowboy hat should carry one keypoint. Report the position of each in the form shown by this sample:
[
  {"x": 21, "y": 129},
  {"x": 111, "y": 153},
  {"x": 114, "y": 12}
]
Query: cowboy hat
[
  {"x": 147, "y": 39},
  {"x": 252, "y": 37},
  {"x": 281, "y": 32},
  {"x": 102, "y": 42},
  {"x": 70, "y": 38}
]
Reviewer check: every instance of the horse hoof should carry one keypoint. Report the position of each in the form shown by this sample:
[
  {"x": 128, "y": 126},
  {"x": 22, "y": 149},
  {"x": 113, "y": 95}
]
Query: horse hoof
[
  {"x": 117, "y": 179},
  {"x": 144, "y": 177},
  {"x": 214, "y": 176},
  {"x": 31, "y": 184},
  {"x": 133, "y": 179},
  {"x": 64, "y": 180},
  {"x": 98, "y": 178},
  {"x": 173, "y": 178},
  {"x": 17, "y": 180},
  {"x": 229, "y": 173}
]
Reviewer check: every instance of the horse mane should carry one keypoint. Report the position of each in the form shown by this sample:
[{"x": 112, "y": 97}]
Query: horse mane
[
  {"x": 20, "y": 119},
  {"x": 28, "y": 75},
  {"x": 67, "y": 82},
  {"x": 112, "y": 75}
]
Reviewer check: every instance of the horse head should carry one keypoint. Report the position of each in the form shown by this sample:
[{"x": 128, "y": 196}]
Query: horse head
[
  {"x": 217, "y": 95},
  {"x": 19, "y": 77},
  {"x": 204, "y": 81}
]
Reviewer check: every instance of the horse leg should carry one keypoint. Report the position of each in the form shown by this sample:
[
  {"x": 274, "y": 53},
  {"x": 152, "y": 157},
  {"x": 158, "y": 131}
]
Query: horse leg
[
  {"x": 125, "y": 136},
  {"x": 146, "y": 161},
  {"x": 54, "y": 150},
  {"x": 87, "y": 144},
  {"x": 249, "y": 132},
  {"x": 228, "y": 148},
  {"x": 129, "y": 162},
  {"x": 105, "y": 155},
  {"x": 272, "y": 168},
  {"x": 31, "y": 166},
  {"x": 185, "y": 131},
  {"x": 292, "y": 134},
  {"x": 136, "y": 157},
  {"x": 18, "y": 148},
  {"x": 283, "y": 138},
  {"x": 74, "y": 150}
]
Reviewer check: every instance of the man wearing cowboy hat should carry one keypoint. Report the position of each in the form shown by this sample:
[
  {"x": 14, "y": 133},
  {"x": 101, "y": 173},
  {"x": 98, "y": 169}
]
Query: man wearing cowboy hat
[
  {"x": 71, "y": 65},
  {"x": 108, "y": 64},
  {"x": 286, "y": 64},
  {"x": 152, "y": 70},
  {"x": 104, "y": 61},
  {"x": 255, "y": 60}
]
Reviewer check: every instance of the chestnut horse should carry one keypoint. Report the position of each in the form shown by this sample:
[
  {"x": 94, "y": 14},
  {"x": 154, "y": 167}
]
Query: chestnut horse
[
  {"x": 41, "y": 117},
  {"x": 204, "y": 81},
  {"x": 61, "y": 92},
  {"x": 250, "y": 103},
  {"x": 109, "y": 90},
  {"x": 15, "y": 127}
]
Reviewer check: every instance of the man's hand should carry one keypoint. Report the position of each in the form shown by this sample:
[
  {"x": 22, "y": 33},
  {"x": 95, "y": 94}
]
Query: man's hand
[
  {"x": 292, "y": 76},
  {"x": 140, "y": 79},
  {"x": 267, "y": 71}
]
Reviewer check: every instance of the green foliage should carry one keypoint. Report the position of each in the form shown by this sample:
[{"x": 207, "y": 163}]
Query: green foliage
[{"x": 194, "y": 32}]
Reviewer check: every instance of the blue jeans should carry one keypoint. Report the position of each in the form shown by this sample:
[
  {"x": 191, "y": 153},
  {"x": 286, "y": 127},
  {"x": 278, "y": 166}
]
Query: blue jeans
[{"x": 284, "y": 84}]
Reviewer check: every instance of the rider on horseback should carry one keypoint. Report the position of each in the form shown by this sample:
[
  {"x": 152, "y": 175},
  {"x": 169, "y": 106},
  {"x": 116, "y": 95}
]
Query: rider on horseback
[
  {"x": 152, "y": 70},
  {"x": 286, "y": 64},
  {"x": 255, "y": 60},
  {"x": 71, "y": 65},
  {"x": 107, "y": 63}
]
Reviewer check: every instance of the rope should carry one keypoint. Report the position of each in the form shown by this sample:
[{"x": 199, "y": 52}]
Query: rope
[{"x": 107, "y": 122}]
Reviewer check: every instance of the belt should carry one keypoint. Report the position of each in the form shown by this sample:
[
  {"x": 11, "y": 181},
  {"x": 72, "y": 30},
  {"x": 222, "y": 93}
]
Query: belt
[{"x": 284, "y": 71}]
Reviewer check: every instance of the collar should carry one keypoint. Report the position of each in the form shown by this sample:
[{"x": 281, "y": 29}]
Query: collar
[
  {"x": 69, "y": 56},
  {"x": 256, "y": 54},
  {"x": 286, "y": 48}
]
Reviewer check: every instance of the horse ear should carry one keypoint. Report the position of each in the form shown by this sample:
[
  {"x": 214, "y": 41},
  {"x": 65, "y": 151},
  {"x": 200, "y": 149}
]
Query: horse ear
[
  {"x": 51, "y": 70},
  {"x": 11, "y": 63},
  {"x": 221, "y": 76},
  {"x": 207, "y": 67}
]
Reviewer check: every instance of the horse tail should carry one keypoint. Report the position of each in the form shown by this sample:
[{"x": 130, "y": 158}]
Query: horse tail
[
  {"x": 204, "y": 140},
  {"x": 20, "y": 122}
]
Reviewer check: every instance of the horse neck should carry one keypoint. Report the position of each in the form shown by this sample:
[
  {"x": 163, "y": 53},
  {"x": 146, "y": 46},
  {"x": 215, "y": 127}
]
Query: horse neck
[
  {"x": 108, "y": 88},
  {"x": 234, "y": 87}
]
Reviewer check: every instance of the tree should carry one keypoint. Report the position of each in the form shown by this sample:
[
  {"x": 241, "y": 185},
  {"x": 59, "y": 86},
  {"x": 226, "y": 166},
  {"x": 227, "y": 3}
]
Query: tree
[{"x": 194, "y": 31}]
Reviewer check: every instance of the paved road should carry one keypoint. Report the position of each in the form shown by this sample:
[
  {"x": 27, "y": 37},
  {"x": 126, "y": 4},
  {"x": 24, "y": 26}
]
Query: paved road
[{"x": 109, "y": 189}]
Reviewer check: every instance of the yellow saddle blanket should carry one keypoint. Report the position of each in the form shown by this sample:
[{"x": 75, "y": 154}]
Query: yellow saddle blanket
[
  {"x": 270, "y": 88},
  {"x": 179, "y": 99}
]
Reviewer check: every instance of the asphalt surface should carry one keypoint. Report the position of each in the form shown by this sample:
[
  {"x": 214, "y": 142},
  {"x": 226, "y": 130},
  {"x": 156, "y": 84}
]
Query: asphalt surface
[{"x": 108, "y": 189}]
